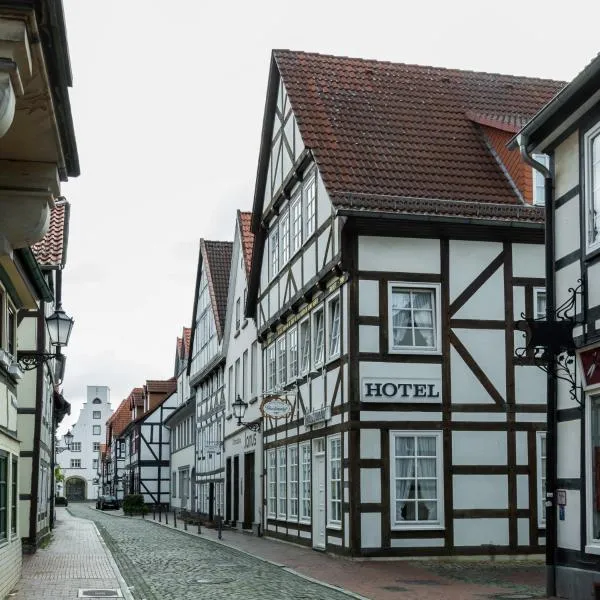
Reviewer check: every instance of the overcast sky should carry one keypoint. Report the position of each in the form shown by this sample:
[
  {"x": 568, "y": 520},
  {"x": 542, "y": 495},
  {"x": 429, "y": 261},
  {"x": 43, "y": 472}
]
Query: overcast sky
[{"x": 168, "y": 102}]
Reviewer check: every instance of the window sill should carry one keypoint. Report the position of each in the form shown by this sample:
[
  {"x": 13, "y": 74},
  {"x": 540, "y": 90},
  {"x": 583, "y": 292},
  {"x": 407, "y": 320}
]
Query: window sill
[
  {"x": 435, "y": 352},
  {"x": 592, "y": 253},
  {"x": 417, "y": 527},
  {"x": 337, "y": 526},
  {"x": 593, "y": 548}
]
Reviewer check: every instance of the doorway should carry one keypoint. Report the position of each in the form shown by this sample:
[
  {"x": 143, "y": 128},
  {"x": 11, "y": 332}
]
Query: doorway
[
  {"x": 249, "y": 501},
  {"x": 318, "y": 499},
  {"x": 236, "y": 489},
  {"x": 228, "y": 489},
  {"x": 75, "y": 489},
  {"x": 211, "y": 501}
]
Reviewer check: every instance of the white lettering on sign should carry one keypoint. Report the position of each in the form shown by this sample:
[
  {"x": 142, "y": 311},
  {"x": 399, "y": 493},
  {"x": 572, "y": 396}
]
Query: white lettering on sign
[
  {"x": 276, "y": 407},
  {"x": 250, "y": 440},
  {"x": 317, "y": 416},
  {"x": 401, "y": 390}
]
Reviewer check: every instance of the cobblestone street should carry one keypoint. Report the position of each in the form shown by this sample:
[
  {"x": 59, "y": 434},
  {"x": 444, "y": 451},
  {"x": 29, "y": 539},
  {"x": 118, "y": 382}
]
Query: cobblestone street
[{"x": 160, "y": 563}]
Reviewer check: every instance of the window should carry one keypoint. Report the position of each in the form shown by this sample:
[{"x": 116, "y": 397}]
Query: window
[
  {"x": 96, "y": 401},
  {"x": 414, "y": 318},
  {"x": 593, "y": 469},
  {"x": 539, "y": 303},
  {"x": 274, "y": 253},
  {"x": 253, "y": 368},
  {"x": 318, "y": 328},
  {"x": 335, "y": 481},
  {"x": 271, "y": 373},
  {"x": 95, "y": 464},
  {"x": 14, "y": 497},
  {"x": 96, "y": 446},
  {"x": 75, "y": 463},
  {"x": 592, "y": 186},
  {"x": 539, "y": 180},
  {"x": 75, "y": 447},
  {"x": 293, "y": 482},
  {"x": 96, "y": 430},
  {"x": 281, "y": 361},
  {"x": 244, "y": 374},
  {"x": 333, "y": 326},
  {"x": 237, "y": 313},
  {"x": 11, "y": 331},
  {"x": 541, "y": 477},
  {"x": 310, "y": 203},
  {"x": 296, "y": 212},
  {"x": 292, "y": 342},
  {"x": 304, "y": 346},
  {"x": 97, "y": 414},
  {"x": 305, "y": 481},
  {"x": 284, "y": 238},
  {"x": 282, "y": 482},
  {"x": 3, "y": 496},
  {"x": 416, "y": 479},
  {"x": 230, "y": 386},
  {"x": 174, "y": 485},
  {"x": 237, "y": 377},
  {"x": 272, "y": 482}
]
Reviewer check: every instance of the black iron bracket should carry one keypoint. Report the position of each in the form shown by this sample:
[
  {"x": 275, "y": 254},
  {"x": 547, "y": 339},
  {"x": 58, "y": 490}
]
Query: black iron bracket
[{"x": 29, "y": 360}]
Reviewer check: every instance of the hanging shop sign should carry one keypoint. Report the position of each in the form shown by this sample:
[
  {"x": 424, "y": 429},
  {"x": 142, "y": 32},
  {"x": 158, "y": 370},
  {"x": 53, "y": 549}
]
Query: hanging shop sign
[
  {"x": 321, "y": 415},
  {"x": 590, "y": 365},
  {"x": 212, "y": 446},
  {"x": 376, "y": 389},
  {"x": 276, "y": 406}
]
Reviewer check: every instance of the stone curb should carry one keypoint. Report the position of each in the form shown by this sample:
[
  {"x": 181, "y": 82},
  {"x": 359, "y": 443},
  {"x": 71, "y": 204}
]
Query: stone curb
[{"x": 265, "y": 560}]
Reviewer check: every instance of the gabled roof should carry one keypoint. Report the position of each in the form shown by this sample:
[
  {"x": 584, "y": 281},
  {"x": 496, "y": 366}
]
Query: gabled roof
[
  {"x": 51, "y": 250},
  {"x": 187, "y": 333},
  {"x": 381, "y": 131},
  {"x": 247, "y": 238},
  {"x": 135, "y": 398},
  {"x": 216, "y": 256},
  {"x": 159, "y": 386},
  {"x": 121, "y": 417}
]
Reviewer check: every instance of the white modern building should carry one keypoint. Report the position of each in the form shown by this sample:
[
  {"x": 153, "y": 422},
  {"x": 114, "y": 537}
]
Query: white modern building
[
  {"x": 243, "y": 443},
  {"x": 80, "y": 463}
]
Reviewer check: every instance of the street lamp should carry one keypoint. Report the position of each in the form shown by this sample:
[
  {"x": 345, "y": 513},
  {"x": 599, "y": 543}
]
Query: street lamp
[
  {"x": 239, "y": 410},
  {"x": 68, "y": 437},
  {"x": 59, "y": 330}
]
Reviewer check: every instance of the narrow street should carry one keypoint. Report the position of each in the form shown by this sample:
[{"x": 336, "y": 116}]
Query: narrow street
[{"x": 159, "y": 563}]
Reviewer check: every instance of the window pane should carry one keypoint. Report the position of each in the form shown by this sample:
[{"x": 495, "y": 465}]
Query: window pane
[
  {"x": 405, "y": 446},
  {"x": 595, "y": 427},
  {"x": 426, "y": 446}
]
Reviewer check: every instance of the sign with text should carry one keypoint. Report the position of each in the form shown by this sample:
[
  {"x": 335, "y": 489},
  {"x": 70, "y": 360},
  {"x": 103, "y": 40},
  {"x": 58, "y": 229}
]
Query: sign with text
[
  {"x": 389, "y": 389},
  {"x": 276, "y": 407},
  {"x": 320, "y": 415}
]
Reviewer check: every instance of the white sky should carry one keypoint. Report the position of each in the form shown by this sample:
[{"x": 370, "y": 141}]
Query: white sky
[{"x": 168, "y": 102}]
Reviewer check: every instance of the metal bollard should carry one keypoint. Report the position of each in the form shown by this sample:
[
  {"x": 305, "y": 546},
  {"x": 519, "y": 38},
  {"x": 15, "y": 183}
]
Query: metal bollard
[
  {"x": 166, "y": 517},
  {"x": 185, "y": 525},
  {"x": 219, "y": 525},
  {"x": 159, "y": 513},
  {"x": 199, "y": 528},
  {"x": 174, "y": 520},
  {"x": 154, "y": 511}
]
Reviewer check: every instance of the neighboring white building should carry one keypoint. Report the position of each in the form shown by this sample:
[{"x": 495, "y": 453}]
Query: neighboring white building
[
  {"x": 80, "y": 464},
  {"x": 568, "y": 130},
  {"x": 395, "y": 251},
  {"x": 243, "y": 446},
  {"x": 182, "y": 425}
]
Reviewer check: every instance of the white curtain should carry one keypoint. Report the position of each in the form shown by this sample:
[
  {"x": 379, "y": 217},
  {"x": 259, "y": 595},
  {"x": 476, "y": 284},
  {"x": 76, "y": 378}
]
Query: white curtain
[
  {"x": 405, "y": 472},
  {"x": 423, "y": 315},
  {"x": 427, "y": 477},
  {"x": 401, "y": 317}
]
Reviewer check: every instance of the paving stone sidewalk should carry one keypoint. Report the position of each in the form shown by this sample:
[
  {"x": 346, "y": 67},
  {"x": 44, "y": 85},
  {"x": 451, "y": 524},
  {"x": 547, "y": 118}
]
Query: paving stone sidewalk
[
  {"x": 76, "y": 558},
  {"x": 375, "y": 580}
]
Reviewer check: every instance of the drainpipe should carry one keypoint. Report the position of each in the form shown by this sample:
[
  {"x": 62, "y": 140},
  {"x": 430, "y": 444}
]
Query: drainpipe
[{"x": 551, "y": 378}]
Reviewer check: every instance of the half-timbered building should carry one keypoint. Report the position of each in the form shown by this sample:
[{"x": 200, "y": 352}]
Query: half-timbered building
[
  {"x": 112, "y": 458},
  {"x": 396, "y": 245},
  {"x": 182, "y": 423},
  {"x": 243, "y": 445},
  {"x": 568, "y": 130},
  {"x": 146, "y": 468},
  {"x": 206, "y": 373}
]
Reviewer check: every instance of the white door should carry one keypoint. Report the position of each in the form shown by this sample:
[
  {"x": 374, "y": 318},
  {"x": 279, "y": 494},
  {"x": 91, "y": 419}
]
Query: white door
[{"x": 318, "y": 503}]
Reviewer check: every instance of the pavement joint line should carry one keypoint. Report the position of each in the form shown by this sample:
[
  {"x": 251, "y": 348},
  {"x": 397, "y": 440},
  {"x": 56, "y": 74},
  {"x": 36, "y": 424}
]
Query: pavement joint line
[{"x": 265, "y": 560}]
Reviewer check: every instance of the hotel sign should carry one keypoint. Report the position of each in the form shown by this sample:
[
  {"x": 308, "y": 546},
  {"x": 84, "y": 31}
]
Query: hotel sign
[
  {"x": 276, "y": 407},
  {"x": 317, "y": 416},
  {"x": 389, "y": 389}
]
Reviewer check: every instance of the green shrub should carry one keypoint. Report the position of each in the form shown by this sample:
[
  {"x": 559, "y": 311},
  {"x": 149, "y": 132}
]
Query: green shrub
[
  {"x": 60, "y": 501},
  {"x": 133, "y": 504}
]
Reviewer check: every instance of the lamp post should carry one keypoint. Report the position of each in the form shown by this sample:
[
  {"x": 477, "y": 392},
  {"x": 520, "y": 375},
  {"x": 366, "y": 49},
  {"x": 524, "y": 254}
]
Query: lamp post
[
  {"x": 239, "y": 410},
  {"x": 68, "y": 437}
]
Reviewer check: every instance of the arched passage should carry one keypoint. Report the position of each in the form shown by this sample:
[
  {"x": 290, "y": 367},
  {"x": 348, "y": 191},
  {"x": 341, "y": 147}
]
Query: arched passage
[{"x": 75, "y": 489}]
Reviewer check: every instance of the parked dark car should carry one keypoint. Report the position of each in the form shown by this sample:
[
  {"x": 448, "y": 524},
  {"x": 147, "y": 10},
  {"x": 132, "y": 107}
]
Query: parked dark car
[{"x": 105, "y": 502}]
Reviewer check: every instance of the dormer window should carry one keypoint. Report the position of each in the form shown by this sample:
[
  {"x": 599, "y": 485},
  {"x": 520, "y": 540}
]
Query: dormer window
[
  {"x": 592, "y": 186},
  {"x": 539, "y": 180}
]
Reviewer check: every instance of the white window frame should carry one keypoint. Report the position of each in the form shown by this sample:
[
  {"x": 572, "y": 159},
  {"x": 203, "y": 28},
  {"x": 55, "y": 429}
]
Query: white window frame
[
  {"x": 305, "y": 482},
  {"x": 334, "y": 441},
  {"x": 303, "y": 369},
  {"x": 274, "y": 263},
  {"x": 292, "y": 354},
  {"x": 281, "y": 360},
  {"x": 296, "y": 223},
  {"x": 541, "y": 479},
  {"x": 282, "y": 482},
  {"x": 293, "y": 483},
  {"x": 284, "y": 239},
  {"x": 593, "y": 543},
  {"x": 272, "y": 483},
  {"x": 416, "y": 525},
  {"x": 537, "y": 292},
  {"x": 436, "y": 289},
  {"x": 310, "y": 206},
  {"x": 237, "y": 313},
  {"x": 75, "y": 463},
  {"x": 75, "y": 447},
  {"x": 332, "y": 351},
  {"x": 96, "y": 427},
  {"x": 317, "y": 362},
  {"x": 271, "y": 367},
  {"x": 588, "y": 140},
  {"x": 537, "y": 178}
]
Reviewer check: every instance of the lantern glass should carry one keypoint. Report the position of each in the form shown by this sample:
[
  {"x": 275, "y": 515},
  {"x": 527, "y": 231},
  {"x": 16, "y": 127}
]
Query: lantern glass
[
  {"x": 239, "y": 408},
  {"x": 68, "y": 438},
  {"x": 59, "y": 327}
]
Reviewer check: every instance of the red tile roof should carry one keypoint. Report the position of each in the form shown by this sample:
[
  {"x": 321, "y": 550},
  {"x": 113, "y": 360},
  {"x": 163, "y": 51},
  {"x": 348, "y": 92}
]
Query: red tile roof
[
  {"x": 217, "y": 258},
  {"x": 510, "y": 123},
  {"x": 159, "y": 386},
  {"x": 187, "y": 332},
  {"x": 121, "y": 417},
  {"x": 51, "y": 250},
  {"x": 382, "y": 130},
  {"x": 247, "y": 238},
  {"x": 135, "y": 398}
]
